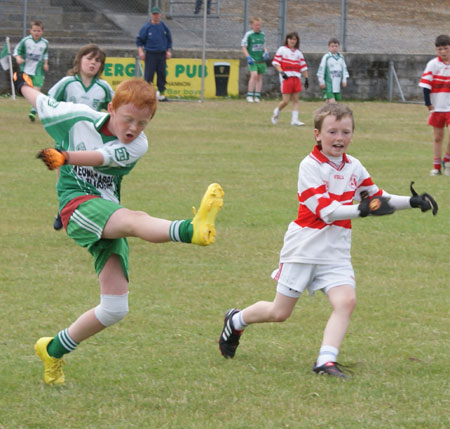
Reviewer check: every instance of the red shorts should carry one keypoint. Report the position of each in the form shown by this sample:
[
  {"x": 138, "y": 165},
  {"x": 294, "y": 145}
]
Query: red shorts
[
  {"x": 439, "y": 119},
  {"x": 291, "y": 85}
]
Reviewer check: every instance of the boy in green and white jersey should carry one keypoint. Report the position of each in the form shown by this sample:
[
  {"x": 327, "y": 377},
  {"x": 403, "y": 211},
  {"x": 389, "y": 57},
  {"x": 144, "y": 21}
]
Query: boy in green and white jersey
[
  {"x": 31, "y": 55},
  {"x": 332, "y": 72},
  {"x": 254, "y": 49},
  {"x": 97, "y": 150},
  {"x": 83, "y": 85}
]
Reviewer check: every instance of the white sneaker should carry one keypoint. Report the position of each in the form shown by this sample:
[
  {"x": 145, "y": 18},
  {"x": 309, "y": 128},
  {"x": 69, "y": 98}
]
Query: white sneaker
[
  {"x": 297, "y": 123},
  {"x": 435, "y": 172},
  {"x": 250, "y": 99},
  {"x": 257, "y": 100},
  {"x": 274, "y": 119},
  {"x": 447, "y": 168}
]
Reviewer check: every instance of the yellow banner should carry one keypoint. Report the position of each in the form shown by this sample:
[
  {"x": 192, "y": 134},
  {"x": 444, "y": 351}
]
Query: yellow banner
[{"x": 183, "y": 76}]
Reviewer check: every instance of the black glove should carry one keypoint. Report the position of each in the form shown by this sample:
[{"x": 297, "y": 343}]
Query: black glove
[
  {"x": 284, "y": 75},
  {"x": 425, "y": 201},
  {"x": 306, "y": 83},
  {"x": 376, "y": 206},
  {"x": 20, "y": 79}
]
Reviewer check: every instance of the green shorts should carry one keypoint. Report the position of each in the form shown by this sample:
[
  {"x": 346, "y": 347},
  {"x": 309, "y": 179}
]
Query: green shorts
[
  {"x": 327, "y": 95},
  {"x": 86, "y": 227},
  {"x": 38, "y": 80},
  {"x": 261, "y": 68}
]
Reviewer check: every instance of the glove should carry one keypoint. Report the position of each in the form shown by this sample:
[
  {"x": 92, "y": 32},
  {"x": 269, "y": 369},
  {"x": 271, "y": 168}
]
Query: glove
[
  {"x": 53, "y": 158},
  {"x": 306, "y": 83},
  {"x": 266, "y": 56},
  {"x": 376, "y": 206},
  {"x": 284, "y": 75},
  {"x": 20, "y": 79},
  {"x": 425, "y": 201},
  {"x": 250, "y": 61}
]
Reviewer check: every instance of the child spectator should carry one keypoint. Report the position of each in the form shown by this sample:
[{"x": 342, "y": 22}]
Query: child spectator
[
  {"x": 290, "y": 63},
  {"x": 96, "y": 150},
  {"x": 316, "y": 251},
  {"x": 31, "y": 55},
  {"x": 83, "y": 85},
  {"x": 435, "y": 82},
  {"x": 332, "y": 73},
  {"x": 254, "y": 49}
]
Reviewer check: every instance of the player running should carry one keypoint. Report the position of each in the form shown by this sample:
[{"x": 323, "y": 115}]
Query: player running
[
  {"x": 96, "y": 151},
  {"x": 316, "y": 251}
]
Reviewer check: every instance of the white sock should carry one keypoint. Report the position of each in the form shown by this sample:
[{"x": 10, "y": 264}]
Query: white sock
[
  {"x": 238, "y": 322},
  {"x": 294, "y": 115},
  {"x": 327, "y": 354},
  {"x": 276, "y": 112}
]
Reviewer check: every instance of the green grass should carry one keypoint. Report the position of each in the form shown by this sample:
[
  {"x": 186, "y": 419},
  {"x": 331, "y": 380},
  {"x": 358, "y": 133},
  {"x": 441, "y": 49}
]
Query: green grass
[{"x": 160, "y": 367}]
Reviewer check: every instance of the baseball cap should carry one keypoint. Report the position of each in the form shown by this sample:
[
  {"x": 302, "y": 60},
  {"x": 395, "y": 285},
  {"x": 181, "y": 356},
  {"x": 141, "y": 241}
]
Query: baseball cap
[{"x": 155, "y": 10}]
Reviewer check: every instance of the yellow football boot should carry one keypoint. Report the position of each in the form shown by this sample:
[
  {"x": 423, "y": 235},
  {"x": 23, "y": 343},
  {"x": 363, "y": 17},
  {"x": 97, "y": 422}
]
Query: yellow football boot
[
  {"x": 53, "y": 373},
  {"x": 203, "y": 222}
]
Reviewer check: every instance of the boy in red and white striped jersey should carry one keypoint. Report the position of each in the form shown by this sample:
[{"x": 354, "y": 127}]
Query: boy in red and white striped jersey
[
  {"x": 435, "y": 82},
  {"x": 316, "y": 251},
  {"x": 290, "y": 63}
]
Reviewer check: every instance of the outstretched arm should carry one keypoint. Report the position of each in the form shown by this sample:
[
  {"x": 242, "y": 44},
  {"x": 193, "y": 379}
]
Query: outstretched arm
[{"x": 55, "y": 158}]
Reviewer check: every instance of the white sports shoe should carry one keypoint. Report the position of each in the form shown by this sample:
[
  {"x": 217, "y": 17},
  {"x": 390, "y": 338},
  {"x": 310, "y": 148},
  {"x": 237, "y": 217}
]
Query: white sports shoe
[
  {"x": 250, "y": 99},
  {"x": 297, "y": 123},
  {"x": 447, "y": 168},
  {"x": 435, "y": 172},
  {"x": 274, "y": 118},
  {"x": 257, "y": 100}
]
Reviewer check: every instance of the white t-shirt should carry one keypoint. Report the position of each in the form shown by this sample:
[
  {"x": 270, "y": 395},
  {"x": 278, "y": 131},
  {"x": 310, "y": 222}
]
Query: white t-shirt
[
  {"x": 292, "y": 62},
  {"x": 436, "y": 78}
]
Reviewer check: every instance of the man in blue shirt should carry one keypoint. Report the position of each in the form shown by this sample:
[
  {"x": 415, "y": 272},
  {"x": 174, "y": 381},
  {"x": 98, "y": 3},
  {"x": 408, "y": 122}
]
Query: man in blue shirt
[{"x": 154, "y": 43}]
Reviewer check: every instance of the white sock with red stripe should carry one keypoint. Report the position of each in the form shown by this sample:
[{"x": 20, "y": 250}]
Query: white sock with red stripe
[{"x": 327, "y": 354}]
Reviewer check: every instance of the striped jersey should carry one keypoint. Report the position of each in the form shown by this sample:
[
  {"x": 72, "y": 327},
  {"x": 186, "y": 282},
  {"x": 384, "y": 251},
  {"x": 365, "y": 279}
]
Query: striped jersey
[
  {"x": 71, "y": 88},
  {"x": 254, "y": 42},
  {"x": 332, "y": 71},
  {"x": 436, "y": 78},
  {"x": 77, "y": 127},
  {"x": 291, "y": 62},
  {"x": 322, "y": 187},
  {"x": 34, "y": 53}
]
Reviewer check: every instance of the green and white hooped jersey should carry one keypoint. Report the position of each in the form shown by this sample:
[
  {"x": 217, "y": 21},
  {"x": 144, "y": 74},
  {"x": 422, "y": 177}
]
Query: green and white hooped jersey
[
  {"x": 332, "y": 71},
  {"x": 77, "y": 127},
  {"x": 34, "y": 53},
  {"x": 254, "y": 42},
  {"x": 71, "y": 88}
]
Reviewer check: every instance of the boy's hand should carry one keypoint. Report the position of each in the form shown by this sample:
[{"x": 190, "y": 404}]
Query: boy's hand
[
  {"x": 53, "y": 158},
  {"x": 250, "y": 61},
  {"x": 425, "y": 201},
  {"x": 284, "y": 75},
  {"x": 376, "y": 206},
  {"x": 266, "y": 56},
  {"x": 306, "y": 83},
  {"x": 20, "y": 79}
]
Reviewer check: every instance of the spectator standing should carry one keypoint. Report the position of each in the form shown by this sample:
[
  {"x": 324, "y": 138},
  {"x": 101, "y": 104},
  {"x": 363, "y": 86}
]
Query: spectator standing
[{"x": 154, "y": 43}]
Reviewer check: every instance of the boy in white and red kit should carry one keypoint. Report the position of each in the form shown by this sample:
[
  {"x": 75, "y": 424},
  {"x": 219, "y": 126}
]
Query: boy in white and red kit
[
  {"x": 316, "y": 251},
  {"x": 290, "y": 63},
  {"x": 435, "y": 82}
]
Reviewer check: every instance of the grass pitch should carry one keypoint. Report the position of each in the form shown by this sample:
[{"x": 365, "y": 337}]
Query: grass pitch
[{"x": 160, "y": 367}]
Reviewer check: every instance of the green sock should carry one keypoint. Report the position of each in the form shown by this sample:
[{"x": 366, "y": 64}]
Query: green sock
[
  {"x": 181, "y": 230},
  {"x": 257, "y": 95},
  {"x": 61, "y": 344}
]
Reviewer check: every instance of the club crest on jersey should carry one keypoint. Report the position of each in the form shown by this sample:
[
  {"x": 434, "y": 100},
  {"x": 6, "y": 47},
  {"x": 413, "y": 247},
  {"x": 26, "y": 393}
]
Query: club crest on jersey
[
  {"x": 353, "y": 182},
  {"x": 121, "y": 154}
]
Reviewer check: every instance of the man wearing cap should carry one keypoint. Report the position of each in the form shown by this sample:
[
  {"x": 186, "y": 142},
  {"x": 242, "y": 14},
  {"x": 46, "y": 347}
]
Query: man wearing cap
[{"x": 154, "y": 43}]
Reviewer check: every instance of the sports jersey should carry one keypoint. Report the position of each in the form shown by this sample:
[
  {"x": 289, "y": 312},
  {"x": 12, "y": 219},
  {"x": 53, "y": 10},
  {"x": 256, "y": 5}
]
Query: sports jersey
[
  {"x": 291, "y": 62},
  {"x": 78, "y": 127},
  {"x": 34, "y": 53},
  {"x": 436, "y": 78},
  {"x": 332, "y": 71},
  {"x": 71, "y": 88},
  {"x": 323, "y": 186},
  {"x": 254, "y": 42}
]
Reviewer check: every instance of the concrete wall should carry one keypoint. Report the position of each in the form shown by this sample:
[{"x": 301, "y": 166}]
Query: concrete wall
[{"x": 368, "y": 73}]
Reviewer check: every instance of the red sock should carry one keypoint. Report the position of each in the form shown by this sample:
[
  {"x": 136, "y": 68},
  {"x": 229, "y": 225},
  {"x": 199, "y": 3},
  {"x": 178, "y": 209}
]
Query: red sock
[
  {"x": 447, "y": 157},
  {"x": 437, "y": 163}
]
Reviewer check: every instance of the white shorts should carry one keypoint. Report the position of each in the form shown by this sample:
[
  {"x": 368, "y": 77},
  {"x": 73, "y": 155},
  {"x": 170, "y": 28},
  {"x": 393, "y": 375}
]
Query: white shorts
[{"x": 294, "y": 278}]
